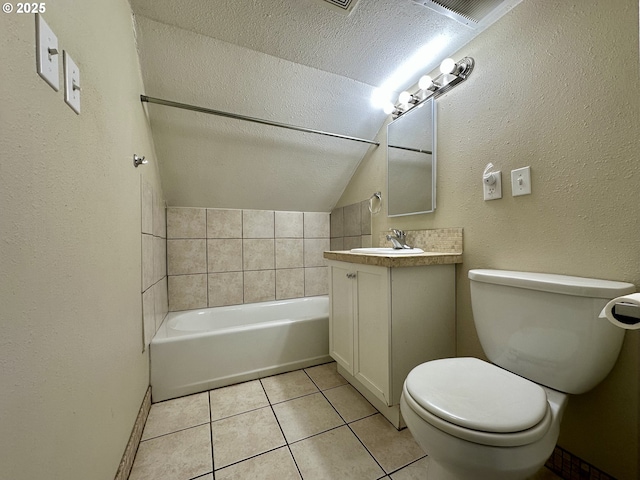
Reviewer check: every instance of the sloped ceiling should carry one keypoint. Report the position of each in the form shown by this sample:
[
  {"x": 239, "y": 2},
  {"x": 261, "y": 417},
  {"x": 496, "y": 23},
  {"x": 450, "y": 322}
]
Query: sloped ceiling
[{"x": 294, "y": 62}]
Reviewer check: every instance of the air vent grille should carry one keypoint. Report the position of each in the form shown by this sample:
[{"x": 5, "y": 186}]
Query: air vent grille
[
  {"x": 340, "y": 3},
  {"x": 469, "y": 12},
  {"x": 343, "y": 6}
]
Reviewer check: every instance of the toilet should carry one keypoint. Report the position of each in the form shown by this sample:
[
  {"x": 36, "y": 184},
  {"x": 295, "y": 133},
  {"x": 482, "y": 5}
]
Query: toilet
[{"x": 501, "y": 420}]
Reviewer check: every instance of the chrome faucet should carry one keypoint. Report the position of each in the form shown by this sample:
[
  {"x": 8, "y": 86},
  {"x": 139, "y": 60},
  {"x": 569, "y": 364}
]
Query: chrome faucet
[{"x": 398, "y": 239}]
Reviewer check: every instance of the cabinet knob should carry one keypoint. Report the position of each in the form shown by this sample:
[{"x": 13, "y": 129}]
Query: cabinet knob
[{"x": 351, "y": 275}]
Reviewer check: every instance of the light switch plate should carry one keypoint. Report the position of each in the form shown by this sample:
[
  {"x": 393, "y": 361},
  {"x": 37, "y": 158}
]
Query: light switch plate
[
  {"x": 521, "y": 181},
  {"x": 71, "y": 83},
  {"x": 47, "y": 53}
]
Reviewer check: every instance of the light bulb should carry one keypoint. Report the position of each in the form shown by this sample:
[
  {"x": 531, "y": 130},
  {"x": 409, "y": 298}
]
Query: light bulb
[
  {"x": 425, "y": 82},
  {"x": 447, "y": 66},
  {"x": 389, "y": 108},
  {"x": 404, "y": 98}
]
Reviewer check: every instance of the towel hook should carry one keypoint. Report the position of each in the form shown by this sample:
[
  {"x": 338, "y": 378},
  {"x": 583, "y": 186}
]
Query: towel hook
[{"x": 137, "y": 161}]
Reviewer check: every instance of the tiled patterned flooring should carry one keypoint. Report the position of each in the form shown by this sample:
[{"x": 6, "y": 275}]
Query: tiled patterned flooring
[{"x": 308, "y": 424}]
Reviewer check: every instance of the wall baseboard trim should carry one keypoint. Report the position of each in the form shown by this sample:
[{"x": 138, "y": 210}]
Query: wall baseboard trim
[
  {"x": 568, "y": 466},
  {"x": 124, "y": 469}
]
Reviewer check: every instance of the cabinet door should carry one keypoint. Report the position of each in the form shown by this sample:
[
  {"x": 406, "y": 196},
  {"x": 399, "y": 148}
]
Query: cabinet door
[
  {"x": 372, "y": 327},
  {"x": 341, "y": 316}
]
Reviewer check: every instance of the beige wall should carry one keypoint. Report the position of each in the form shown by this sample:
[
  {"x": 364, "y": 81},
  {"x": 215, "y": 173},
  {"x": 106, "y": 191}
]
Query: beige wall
[
  {"x": 555, "y": 87},
  {"x": 73, "y": 374}
]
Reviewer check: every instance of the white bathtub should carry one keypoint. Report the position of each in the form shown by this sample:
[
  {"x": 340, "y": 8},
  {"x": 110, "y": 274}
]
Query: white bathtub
[{"x": 197, "y": 350}]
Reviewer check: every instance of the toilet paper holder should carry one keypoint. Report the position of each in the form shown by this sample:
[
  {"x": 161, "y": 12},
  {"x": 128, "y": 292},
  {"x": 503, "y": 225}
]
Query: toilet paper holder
[{"x": 627, "y": 313}]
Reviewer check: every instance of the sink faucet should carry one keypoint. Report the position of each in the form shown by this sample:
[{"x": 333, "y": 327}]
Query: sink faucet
[{"x": 398, "y": 239}]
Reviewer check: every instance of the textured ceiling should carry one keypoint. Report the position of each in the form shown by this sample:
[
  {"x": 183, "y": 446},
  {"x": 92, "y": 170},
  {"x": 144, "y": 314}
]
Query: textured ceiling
[{"x": 297, "y": 62}]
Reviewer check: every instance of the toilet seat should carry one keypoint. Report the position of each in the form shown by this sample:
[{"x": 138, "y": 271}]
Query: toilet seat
[{"x": 478, "y": 401}]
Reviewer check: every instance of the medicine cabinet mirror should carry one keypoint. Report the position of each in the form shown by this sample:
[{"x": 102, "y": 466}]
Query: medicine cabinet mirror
[{"x": 411, "y": 161}]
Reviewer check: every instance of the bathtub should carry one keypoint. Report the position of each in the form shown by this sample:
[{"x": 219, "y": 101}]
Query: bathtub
[{"x": 197, "y": 350}]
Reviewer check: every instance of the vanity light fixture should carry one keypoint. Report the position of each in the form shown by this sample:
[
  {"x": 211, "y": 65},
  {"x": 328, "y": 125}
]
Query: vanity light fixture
[{"x": 451, "y": 74}]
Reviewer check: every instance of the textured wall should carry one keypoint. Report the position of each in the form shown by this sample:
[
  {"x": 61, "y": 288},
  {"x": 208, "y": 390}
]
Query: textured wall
[
  {"x": 555, "y": 87},
  {"x": 73, "y": 374}
]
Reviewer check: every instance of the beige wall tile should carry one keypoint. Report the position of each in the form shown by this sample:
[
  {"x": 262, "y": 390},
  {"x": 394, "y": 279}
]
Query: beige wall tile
[
  {"x": 259, "y": 286},
  {"x": 225, "y": 288},
  {"x": 159, "y": 258},
  {"x": 289, "y": 283},
  {"x": 148, "y": 316},
  {"x": 313, "y": 251},
  {"x": 258, "y": 254},
  {"x": 224, "y": 255},
  {"x": 186, "y": 256},
  {"x": 365, "y": 218},
  {"x": 224, "y": 223},
  {"x": 352, "y": 220},
  {"x": 159, "y": 216},
  {"x": 161, "y": 301},
  {"x": 186, "y": 222},
  {"x": 289, "y": 252},
  {"x": 352, "y": 242},
  {"x": 147, "y": 207},
  {"x": 187, "y": 292},
  {"x": 316, "y": 225},
  {"x": 289, "y": 224},
  {"x": 316, "y": 281},
  {"x": 147, "y": 261},
  {"x": 337, "y": 225},
  {"x": 337, "y": 243},
  {"x": 258, "y": 224}
]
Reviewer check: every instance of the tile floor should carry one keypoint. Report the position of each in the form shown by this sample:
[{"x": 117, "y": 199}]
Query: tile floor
[{"x": 307, "y": 424}]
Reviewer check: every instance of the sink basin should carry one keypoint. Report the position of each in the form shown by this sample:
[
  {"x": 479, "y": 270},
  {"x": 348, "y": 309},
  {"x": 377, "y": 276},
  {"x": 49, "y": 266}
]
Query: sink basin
[{"x": 387, "y": 251}]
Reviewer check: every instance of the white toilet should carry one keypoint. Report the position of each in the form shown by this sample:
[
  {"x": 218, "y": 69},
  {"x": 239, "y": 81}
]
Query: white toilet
[{"x": 501, "y": 420}]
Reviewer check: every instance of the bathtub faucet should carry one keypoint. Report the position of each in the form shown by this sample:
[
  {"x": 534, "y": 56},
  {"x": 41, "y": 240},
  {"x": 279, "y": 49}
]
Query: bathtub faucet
[{"x": 398, "y": 239}]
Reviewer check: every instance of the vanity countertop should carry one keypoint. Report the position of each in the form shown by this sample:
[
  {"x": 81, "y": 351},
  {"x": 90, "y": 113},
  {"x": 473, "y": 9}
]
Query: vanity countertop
[{"x": 394, "y": 261}]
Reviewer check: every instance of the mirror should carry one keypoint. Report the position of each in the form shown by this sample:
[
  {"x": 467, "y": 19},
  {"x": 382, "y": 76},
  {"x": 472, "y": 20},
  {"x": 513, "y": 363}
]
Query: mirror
[{"x": 411, "y": 161}]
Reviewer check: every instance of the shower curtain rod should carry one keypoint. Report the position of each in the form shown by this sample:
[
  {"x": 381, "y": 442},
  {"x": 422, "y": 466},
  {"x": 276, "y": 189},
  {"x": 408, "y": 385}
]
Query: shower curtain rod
[{"x": 184, "y": 106}]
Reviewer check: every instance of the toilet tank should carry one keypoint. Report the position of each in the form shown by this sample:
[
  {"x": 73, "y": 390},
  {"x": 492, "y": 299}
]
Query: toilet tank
[{"x": 546, "y": 327}]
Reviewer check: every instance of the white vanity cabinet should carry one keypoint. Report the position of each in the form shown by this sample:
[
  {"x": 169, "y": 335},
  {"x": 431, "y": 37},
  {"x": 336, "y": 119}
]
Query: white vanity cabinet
[{"x": 384, "y": 321}]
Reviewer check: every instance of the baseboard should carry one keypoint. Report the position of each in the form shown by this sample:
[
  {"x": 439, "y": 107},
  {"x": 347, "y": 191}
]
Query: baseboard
[{"x": 124, "y": 469}]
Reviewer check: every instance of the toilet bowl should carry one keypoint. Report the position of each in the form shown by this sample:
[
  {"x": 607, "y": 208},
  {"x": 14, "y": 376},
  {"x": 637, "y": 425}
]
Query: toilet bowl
[
  {"x": 477, "y": 421},
  {"x": 501, "y": 420}
]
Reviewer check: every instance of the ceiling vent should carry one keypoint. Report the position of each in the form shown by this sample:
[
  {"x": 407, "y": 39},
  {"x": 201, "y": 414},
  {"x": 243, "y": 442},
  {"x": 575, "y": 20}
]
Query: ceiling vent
[
  {"x": 472, "y": 13},
  {"x": 342, "y": 6}
]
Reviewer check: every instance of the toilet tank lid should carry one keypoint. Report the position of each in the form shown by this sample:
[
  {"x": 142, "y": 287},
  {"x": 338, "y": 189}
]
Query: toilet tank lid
[{"x": 549, "y": 282}]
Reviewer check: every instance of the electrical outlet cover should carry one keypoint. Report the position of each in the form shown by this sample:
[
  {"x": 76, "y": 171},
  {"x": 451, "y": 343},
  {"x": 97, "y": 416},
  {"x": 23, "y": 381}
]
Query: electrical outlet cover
[{"x": 494, "y": 191}]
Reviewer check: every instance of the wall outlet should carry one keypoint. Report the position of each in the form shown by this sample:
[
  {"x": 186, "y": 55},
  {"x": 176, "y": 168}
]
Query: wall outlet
[{"x": 492, "y": 185}]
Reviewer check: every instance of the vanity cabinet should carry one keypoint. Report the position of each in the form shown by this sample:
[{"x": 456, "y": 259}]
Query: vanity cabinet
[{"x": 385, "y": 321}]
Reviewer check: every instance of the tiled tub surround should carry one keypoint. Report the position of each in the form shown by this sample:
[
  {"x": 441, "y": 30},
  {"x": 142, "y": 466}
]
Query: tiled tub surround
[
  {"x": 218, "y": 257},
  {"x": 351, "y": 226},
  {"x": 154, "y": 261}
]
